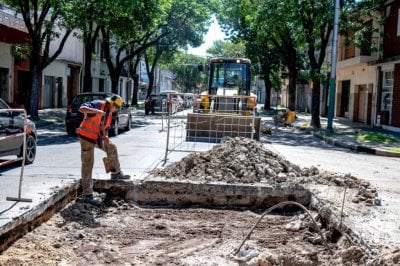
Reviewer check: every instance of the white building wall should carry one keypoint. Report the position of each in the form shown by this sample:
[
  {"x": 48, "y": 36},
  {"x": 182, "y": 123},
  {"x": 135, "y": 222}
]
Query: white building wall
[
  {"x": 5, "y": 55},
  {"x": 57, "y": 69},
  {"x": 7, "y": 63},
  {"x": 358, "y": 75},
  {"x": 72, "y": 51}
]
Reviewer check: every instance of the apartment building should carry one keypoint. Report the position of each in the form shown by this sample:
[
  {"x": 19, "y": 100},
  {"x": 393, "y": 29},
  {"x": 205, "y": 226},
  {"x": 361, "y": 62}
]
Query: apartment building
[{"x": 368, "y": 81}]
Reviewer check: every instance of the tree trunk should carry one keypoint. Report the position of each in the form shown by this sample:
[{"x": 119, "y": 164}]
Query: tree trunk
[
  {"x": 114, "y": 83},
  {"x": 35, "y": 74},
  {"x": 268, "y": 88},
  {"x": 292, "y": 89},
  {"x": 315, "y": 120},
  {"x": 133, "y": 65},
  {"x": 151, "y": 83},
  {"x": 135, "y": 79},
  {"x": 34, "y": 95},
  {"x": 87, "y": 76}
]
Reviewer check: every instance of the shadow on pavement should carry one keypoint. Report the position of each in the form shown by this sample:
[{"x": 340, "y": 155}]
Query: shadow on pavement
[
  {"x": 285, "y": 136},
  {"x": 9, "y": 166}
]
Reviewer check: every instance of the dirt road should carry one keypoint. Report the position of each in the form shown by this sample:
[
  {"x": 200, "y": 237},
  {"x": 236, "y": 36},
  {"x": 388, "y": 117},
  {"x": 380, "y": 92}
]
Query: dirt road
[
  {"x": 120, "y": 233},
  {"x": 124, "y": 235}
]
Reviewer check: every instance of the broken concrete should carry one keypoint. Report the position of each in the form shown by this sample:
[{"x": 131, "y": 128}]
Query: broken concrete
[{"x": 180, "y": 193}]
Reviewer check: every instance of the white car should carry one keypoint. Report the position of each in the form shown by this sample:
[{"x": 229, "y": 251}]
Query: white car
[{"x": 12, "y": 132}]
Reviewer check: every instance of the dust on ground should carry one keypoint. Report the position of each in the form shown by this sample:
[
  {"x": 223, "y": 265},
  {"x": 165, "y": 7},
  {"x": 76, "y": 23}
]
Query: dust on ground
[{"x": 121, "y": 233}]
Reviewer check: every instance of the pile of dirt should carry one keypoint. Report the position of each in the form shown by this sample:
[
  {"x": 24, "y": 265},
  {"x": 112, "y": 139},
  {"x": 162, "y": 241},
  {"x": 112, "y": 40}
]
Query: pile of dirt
[{"x": 243, "y": 160}]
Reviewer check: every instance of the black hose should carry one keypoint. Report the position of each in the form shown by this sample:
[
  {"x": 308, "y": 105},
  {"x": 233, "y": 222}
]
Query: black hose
[{"x": 280, "y": 205}]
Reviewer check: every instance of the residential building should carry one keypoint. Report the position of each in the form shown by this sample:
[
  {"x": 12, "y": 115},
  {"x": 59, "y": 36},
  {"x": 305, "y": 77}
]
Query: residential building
[
  {"x": 14, "y": 70},
  {"x": 356, "y": 85},
  {"x": 61, "y": 79},
  {"x": 388, "y": 70},
  {"x": 368, "y": 81}
]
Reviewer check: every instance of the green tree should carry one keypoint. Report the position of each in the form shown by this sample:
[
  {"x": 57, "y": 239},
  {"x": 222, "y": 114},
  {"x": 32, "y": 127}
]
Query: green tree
[
  {"x": 283, "y": 41},
  {"x": 226, "y": 49},
  {"x": 314, "y": 18},
  {"x": 185, "y": 24},
  {"x": 269, "y": 37},
  {"x": 129, "y": 29},
  {"x": 86, "y": 14},
  {"x": 45, "y": 21},
  {"x": 185, "y": 67}
]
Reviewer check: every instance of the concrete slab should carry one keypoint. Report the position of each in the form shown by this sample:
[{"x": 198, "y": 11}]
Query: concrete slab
[{"x": 158, "y": 191}]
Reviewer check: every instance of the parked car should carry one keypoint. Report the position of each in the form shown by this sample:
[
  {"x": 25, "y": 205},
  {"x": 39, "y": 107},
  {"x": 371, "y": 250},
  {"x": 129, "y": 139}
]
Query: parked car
[
  {"x": 121, "y": 120},
  {"x": 11, "y": 134},
  {"x": 187, "y": 100},
  {"x": 162, "y": 102},
  {"x": 154, "y": 103}
]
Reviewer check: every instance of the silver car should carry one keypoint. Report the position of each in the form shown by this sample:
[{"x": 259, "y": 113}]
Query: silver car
[{"x": 12, "y": 132}]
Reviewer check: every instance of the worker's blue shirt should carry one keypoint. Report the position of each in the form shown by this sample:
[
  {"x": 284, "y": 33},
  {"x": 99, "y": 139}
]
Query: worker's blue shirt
[{"x": 96, "y": 104}]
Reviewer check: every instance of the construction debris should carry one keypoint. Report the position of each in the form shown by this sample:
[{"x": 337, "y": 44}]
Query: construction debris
[
  {"x": 243, "y": 160},
  {"x": 284, "y": 118},
  {"x": 120, "y": 233}
]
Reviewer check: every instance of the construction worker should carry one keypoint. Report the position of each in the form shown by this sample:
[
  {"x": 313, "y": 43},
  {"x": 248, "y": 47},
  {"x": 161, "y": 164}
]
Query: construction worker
[{"x": 93, "y": 133}]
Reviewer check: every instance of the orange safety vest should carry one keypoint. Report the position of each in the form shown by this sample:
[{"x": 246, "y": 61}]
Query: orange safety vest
[{"x": 91, "y": 124}]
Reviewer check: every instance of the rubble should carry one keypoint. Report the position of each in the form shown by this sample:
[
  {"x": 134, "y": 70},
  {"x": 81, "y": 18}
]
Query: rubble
[{"x": 243, "y": 160}]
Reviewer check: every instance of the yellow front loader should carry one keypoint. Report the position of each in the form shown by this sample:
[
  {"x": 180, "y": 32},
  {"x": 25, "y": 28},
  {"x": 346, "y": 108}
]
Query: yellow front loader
[{"x": 228, "y": 109}]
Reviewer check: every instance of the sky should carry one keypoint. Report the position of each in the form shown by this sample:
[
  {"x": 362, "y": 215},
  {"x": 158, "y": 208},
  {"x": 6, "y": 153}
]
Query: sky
[{"x": 214, "y": 33}]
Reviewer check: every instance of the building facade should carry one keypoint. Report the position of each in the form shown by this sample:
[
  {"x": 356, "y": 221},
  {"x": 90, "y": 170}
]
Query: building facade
[{"x": 368, "y": 82}]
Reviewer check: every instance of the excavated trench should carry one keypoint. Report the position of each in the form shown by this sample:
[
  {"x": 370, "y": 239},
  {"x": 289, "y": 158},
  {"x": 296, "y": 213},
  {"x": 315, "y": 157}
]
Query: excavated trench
[{"x": 207, "y": 180}]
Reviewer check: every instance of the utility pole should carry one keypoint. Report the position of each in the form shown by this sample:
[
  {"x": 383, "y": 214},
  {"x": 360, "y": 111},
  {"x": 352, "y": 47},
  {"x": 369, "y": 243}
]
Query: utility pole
[{"x": 332, "y": 84}]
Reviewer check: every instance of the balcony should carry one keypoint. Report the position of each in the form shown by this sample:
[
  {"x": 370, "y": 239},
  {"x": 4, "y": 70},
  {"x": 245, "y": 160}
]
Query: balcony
[
  {"x": 351, "y": 56},
  {"x": 357, "y": 60}
]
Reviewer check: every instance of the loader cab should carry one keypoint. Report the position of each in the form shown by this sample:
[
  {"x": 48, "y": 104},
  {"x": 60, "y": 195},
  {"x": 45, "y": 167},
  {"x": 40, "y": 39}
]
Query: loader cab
[{"x": 229, "y": 77}]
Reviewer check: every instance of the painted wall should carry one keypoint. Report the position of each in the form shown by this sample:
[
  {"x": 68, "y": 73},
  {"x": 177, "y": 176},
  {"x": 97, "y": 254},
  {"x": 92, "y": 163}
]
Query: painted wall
[
  {"x": 57, "y": 69},
  {"x": 391, "y": 43},
  {"x": 6, "y": 62},
  {"x": 358, "y": 75},
  {"x": 72, "y": 51}
]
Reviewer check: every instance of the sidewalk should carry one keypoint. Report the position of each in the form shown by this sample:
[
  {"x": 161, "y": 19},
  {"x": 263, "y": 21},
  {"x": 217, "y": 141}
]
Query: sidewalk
[{"x": 346, "y": 135}]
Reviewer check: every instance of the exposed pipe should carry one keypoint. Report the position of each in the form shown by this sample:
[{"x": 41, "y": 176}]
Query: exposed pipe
[{"x": 280, "y": 205}]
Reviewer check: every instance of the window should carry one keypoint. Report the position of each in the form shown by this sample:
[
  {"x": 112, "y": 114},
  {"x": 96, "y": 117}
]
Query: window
[
  {"x": 367, "y": 39},
  {"x": 101, "y": 85},
  {"x": 387, "y": 91},
  {"x": 349, "y": 48},
  {"x": 398, "y": 22}
]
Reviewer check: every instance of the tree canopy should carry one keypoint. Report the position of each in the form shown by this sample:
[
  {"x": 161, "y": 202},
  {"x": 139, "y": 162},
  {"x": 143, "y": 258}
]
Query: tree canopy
[{"x": 287, "y": 38}]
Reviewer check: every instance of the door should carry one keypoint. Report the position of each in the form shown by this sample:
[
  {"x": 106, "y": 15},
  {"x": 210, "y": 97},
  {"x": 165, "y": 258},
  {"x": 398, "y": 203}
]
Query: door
[
  {"x": 344, "y": 100},
  {"x": 362, "y": 103},
  {"x": 48, "y": 92},
  {"x": 23, "y": 88},
  {"x": 59, "y": 90}
]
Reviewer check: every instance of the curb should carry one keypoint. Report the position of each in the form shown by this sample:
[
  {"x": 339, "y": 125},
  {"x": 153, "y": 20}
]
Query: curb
[
  {"x": 355, "y": 147},
  {"x": 36, "y": 215}
]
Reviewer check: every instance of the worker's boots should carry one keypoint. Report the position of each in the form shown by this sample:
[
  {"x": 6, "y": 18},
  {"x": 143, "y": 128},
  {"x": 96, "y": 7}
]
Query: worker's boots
[
  {"x": 119, "y": 175},
  {"x": 91, "y": 199}
]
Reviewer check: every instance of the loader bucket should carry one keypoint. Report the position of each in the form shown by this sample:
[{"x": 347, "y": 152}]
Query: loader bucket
[{"x": 212, "y": 127}]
